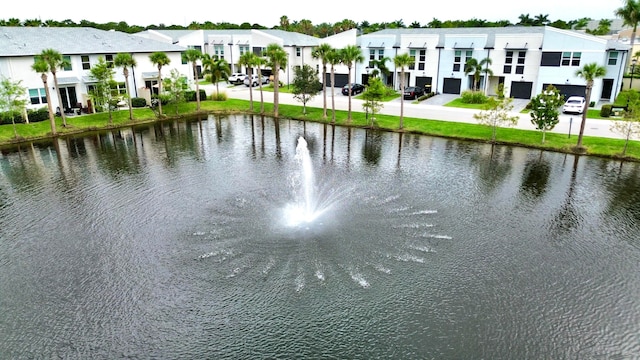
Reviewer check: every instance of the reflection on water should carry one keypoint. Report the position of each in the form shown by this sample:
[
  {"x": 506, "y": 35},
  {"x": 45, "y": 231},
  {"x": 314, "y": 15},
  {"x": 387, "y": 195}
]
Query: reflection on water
[{"x": 170, "y": 241}]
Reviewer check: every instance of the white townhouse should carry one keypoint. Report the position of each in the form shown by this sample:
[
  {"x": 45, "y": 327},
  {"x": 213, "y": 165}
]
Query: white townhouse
[
  {"x": 524, "y": 59},
  {"x": 81, "y": 47},
  {"x": 231, "y": 44}
]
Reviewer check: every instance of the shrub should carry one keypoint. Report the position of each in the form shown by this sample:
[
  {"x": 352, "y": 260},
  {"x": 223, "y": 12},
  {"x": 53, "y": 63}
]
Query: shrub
[
  {"x": 219, "y": 96},
  {"x": 592, "y": 104},
  {"x": 473, "y": 97},
  {"x": 138, "y": 102},
  {"x": 605, "y": 111},
  {"x": 8, "y": 117},
  {"x": 38, "y": 115},
  {"x": 190, "y": 95}
]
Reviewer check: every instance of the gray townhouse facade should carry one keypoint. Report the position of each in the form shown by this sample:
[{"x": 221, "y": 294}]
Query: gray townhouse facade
[{"x": 81, "y": 47}]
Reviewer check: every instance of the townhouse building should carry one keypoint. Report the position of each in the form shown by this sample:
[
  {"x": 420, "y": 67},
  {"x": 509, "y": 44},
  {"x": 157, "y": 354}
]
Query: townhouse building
[
  {"x": 81, "y": 47},
  {"x": 524, "y": 60}
]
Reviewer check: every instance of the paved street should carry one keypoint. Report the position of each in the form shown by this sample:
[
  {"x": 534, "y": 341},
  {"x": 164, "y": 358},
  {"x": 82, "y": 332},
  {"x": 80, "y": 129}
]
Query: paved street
[{"x": 431, "y": 109}]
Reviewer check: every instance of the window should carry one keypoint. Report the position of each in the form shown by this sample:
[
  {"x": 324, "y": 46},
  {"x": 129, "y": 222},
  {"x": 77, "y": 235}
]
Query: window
[
  {"x": 613, "y": 58},
  {"x": 373, "y": 57},
  {"x": 86, "y": 65},
  {"x": 412, "y": 54},
  {"x": 67, "y": 60},
  {"x": 109, "y": 60},
  {"x": 571, "y": 59},
  {"x": 218, "y": 50},
  {"x": 244, "y": 49},
  {"x": 457, "y": 60},
  {"x": 38, "y": 96},
  {"x": 422, "y": 59},
  {"x": 551, "y": 58},
  {"x": 298, "y": 51},
  {"x": 521, "y": 58},
  {"x": 508, "y": 60}
]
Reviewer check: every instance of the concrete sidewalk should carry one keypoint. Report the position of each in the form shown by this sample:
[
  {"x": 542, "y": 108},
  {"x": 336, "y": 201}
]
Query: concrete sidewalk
[{"x": 432, "y": 109}]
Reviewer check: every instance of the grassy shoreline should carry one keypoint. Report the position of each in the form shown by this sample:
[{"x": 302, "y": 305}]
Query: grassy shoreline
[{"x": 595, "y": 146}]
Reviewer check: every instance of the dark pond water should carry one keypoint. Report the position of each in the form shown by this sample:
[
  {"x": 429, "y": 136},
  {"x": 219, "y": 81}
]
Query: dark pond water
[{"x": 174, "y": 241}]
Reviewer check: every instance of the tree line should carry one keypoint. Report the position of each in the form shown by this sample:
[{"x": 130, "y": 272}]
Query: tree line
[{"x": 324, "y": 29}]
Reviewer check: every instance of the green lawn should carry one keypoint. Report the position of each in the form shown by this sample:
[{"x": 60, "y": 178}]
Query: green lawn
[{"x": 528, "y": 138}]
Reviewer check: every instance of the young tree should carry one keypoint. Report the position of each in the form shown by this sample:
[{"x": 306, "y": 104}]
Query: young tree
[
  {"x": 175, "y": 85},
  {"x": 333, "y": 58},
  {"x": 215, "y": 69},
  {"x": 629, "y": 127},
  {"x": 126, "y": 61},
  {"x": 159, "y": 59},
  {"x": 12, "y": 99},
  {"x": 305, "y": 85},
  {"x": 277, "y": 58},
  {"x": 401, "y": 61},
  {"x": 350, "y": 55},
  {"x": 259, "y": 62},
  {"x": 43, "y": 68},
  {"x": 192, "y": 56},
  {"x": 544, "y": 109},
  {"x": 373, "y": 95},
  {"x": 54, "y": 61},
  {"x": 102, "y": 95},
  {"x": 321, "y": 53},
  {"x": 248, "y": 59},
  {"x": 496, "y": 113},
  {"x": 589, "y": 72}
]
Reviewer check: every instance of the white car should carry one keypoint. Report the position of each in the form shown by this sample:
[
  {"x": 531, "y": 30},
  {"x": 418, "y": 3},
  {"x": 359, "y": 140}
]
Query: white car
[
  {"x": 574, "y": 105},
  {"x": 253, "y": 80},
  {"x": 237, "y": 78}
]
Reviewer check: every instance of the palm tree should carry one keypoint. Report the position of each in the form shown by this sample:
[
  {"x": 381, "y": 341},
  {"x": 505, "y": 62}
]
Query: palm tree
[
  {"x": 476, "y": 68},
  {"x": 630, "y": 15},
  {"x": 380, "y": 66},
  {"x": 258, "y": 62},
  {"x": 401, "y": 61},
  {"x": 216, "y": 69},
  {"x": 126, "y": 61},
  {"x": 333, "y": 58},
  {"x": 192, "y": 56},
  {"x": 41, "y": 67},
  {"x": 54, "y": 61},
  {"x": 277, "y": 58},
  {"x": 248, "y": 60},
  {"x": 159, "y": 59},
  {"x": 589, "y": 72},
  {"x": 351, "y": 54},
  {"x": 321, "y": 53}
]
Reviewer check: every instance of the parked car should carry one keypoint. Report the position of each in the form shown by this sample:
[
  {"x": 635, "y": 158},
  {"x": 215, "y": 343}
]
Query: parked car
[
  {"x": 237, "y": 78},
  {"x": 574, "y": 105},
  {"x": 355, "y": 89},
  {"x": 413, "y": 92},
  {"x": 254, "y": 80}
]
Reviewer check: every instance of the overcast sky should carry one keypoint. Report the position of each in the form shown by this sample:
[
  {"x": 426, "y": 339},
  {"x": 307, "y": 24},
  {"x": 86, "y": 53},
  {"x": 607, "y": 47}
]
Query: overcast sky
[{"x": 268, "y": 13}]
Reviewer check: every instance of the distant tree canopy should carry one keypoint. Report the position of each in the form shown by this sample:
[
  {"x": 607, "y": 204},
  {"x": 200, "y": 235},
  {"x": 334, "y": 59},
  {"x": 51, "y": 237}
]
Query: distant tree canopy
[{"x": 321, "y": 30}]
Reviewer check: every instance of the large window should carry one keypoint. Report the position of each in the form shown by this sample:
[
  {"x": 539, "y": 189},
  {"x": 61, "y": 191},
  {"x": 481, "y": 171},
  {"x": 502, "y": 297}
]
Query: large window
[
  {"x": 298, "y": 51},
  {"x": 571, "y": 58},
  {"x": 457, "y": 60},
  {"x": 86, "y": 64},
  {"x": 375, "y": 54},
  {"x": 218, "y": 50},
  {"x": 244, "y": 49},
  {"x": 520, "y": 66},
  {"x": 38, "y": 96},
  {"x": 517, "y": 57},
  {"x": 67, "y": 61},
  {"x": 108, "y": 58},
  {"x": 613, "y": 58},
  {"x": 412, "y": 54}
]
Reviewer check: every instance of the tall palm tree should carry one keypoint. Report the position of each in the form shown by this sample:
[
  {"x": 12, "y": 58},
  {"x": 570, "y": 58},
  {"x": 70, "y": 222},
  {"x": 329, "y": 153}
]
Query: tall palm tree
[
  {"x": 126, "y": 61},
  {"x": 258, "y": 62},
  {"x": 216, "y": 69},
  {"x": 321, "y": 53},
  {"x": 55, "y": 61},
  {"x": 248, "y": 59},
  {"x": 159, "y": 59},
  {"x": 484, "y": 65},
  {"x": 333, "y": 58},
  {"x": 192, "y": 56},
  {"x": 401, "y": 61},
  {"x": 43, "y": 68},
  {"x": 630, "y": 15},
  {"x": 589, "y": 72},
  {"x": 277, "y": 58},
  {"x": 351, "y": 54}
]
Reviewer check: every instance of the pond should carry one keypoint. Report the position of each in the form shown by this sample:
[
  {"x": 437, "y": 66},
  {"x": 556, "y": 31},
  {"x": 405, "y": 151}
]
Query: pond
[{"x": 186, "y": 240}]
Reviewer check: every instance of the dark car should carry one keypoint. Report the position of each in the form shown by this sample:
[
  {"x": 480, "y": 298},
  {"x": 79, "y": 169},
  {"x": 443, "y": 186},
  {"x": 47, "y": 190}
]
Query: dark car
[
  {"x": 413, "y": 92},
  {"x": 355, "y": 89}
]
